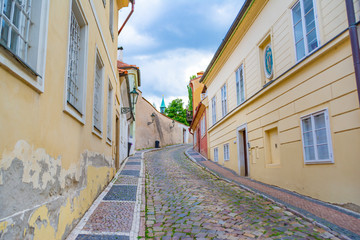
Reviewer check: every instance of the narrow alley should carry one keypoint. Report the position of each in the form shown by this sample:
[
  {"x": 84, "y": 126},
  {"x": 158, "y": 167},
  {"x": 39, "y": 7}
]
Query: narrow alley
[{"x": 186, "y": 202}]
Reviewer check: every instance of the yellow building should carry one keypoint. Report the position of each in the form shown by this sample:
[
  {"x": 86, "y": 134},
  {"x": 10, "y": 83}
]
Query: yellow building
[
  {"x": 283, "y": 103},
  {"x": 59, "y": 95}
]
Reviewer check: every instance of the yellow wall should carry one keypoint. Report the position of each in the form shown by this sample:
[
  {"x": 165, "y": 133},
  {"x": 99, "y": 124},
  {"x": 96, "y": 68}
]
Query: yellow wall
[
  {"x": 197, "y": 89},
  {"x": 325, "y": 80},
  {"x": 58, "y": 160}
]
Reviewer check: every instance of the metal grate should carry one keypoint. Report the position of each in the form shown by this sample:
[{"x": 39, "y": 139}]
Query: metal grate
[
  {"x": 73, "y": 91},
  {"x": 14, "y": 26},
  {"x": 97, "y": 97}
]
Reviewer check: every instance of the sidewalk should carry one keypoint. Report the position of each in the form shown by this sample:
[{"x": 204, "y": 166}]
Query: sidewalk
[
  {"x": 325, "y": 215},
  {"x": 115, "y": 214}
]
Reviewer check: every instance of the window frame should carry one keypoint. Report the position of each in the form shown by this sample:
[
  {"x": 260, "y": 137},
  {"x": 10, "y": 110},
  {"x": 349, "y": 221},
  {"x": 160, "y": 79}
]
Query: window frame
[
  {"x": 224, "y": 100},
  {"x": 98, "y": 130},
  {"x": 78, "y": 114},
  {"x": 31, "y": 71},
  {"x": 306, "y": 50},
  {"x": 328, "y": 137},
  {"x": 216, "y": 156},
  {"x": 111, "y": 18},
  {"x": 213, "y": 109},
  {"x": 203, "y": 127},
  {"x": 226, "y": 152},
  {"x": 109, "y": 125},
  {"x": 240, "y": 96}
]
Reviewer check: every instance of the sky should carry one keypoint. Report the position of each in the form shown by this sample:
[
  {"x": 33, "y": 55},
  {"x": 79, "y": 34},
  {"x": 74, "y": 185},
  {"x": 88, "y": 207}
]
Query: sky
[{"x": 171, "y": 40}]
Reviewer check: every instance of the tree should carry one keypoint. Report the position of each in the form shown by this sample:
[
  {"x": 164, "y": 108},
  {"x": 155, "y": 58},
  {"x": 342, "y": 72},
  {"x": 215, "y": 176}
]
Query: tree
[
  {"x": 176, "y": 111},
  {"x": 190, "y": 105}
]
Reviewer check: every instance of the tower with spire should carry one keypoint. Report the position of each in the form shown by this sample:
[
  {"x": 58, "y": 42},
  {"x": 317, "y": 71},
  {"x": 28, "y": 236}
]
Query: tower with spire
[{"x": 162, "y": 106}]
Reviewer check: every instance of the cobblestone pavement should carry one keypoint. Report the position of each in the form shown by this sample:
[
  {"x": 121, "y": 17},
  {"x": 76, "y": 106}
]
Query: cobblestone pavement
[{"x": 185, "y": 202}]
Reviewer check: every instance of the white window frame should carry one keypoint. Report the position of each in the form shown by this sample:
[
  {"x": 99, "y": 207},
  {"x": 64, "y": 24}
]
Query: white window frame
[
  {"x": 328, "y": 136},
  {"x": 223, "y": 100},
  {"x": 216, "y": 154},
  {"x": 78, "y": 114},
  {"x": 99, "y": 65},
  {"x": 203, "y": 127},
  {"x": 213, "y": 109},
  {"x": 226, "y": 152},
  {"x": 30, "y": 68},
  {"x": 111, "y": 18},
  {"x": 240, "y": 85},
  {"x": 110, "y": 101},
  {"x": 307, "y": 52}
]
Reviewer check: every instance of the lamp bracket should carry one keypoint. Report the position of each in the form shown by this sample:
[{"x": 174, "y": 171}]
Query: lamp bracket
[{"x": 125, "y": 110}]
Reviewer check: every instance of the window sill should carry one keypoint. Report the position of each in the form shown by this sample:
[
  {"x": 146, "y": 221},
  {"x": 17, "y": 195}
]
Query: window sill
[
  {"x": 97, "y": 132},
  {"x": 19, "y": 68},
  {"x": 273, "y": 165},
  {"x": 74, "y": 114},
  {"x": 317, "y": 162},
  {"x": 109, "y": 142}
]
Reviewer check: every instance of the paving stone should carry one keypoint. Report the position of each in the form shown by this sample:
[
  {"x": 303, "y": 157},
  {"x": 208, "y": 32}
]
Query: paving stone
[
  {"x": 101, "y": 237},
  {"x": 133, "y": 163},
  {"x": 129, "y": 180},
  {"x": 122, "y": 193},
  {"x": 134, "y": 173}
]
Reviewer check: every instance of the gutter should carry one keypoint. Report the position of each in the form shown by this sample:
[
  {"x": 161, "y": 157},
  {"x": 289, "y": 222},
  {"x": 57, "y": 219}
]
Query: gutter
[
  {"x": 131, "y": 12},
  {"x": 354, "y": 39},
  {"x": 242, "y": 13}
]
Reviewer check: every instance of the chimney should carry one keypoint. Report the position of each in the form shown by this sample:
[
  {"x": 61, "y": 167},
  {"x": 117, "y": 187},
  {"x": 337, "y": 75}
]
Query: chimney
[
  {"x": 199, "y": 74},
  {"x": 120, "y": 54}
]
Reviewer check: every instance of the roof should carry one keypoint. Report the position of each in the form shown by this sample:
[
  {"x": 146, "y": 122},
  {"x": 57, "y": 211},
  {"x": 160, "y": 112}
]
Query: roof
[
  {"x": 162, "y": 103},
  {"x": 121, "y": 66},
  {"x": 228, "y": 36}
]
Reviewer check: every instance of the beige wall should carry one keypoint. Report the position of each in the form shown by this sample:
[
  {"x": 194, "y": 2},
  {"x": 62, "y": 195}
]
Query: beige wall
[
  {"x": 161, "y": 129},
  {"x": 325, "y": 80},
  {"x": 53, "y": 166}
]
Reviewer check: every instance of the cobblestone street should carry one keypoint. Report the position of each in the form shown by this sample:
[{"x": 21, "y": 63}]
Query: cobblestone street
[{"x": 185, "y": 202}]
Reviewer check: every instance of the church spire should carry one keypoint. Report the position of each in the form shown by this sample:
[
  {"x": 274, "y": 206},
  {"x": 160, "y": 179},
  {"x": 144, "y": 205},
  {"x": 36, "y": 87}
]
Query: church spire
[{"x": 162, "y": 106}]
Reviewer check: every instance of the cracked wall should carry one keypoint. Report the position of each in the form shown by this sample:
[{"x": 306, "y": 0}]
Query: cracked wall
[{"x": 39, "y": 198}]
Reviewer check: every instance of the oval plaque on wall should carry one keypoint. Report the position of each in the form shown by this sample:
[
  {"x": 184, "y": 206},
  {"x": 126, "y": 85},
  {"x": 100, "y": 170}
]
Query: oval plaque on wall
[{"x": 268, "y": 62}]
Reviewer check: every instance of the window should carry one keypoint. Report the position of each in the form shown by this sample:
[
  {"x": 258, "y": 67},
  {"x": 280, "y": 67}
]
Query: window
[
  {"x": 23, "y": 32},
  {"x": 305, "y": 29},
  {"x": 109, "y": 112},
  {"x": 98, "y": 94},
  {"x": 104, "y": 2},
  {"x": 316, "y": 138},
  {"x": 223, "y": 100},
  {"x": 240, "y": 90},
  {"x": 76, "y": 69},
  {"x": 226, "y": 152},
  {"x": 203, "y": 127},
  {"x": 213, "y": 109},
  {"x": 216, "y": 155},
  {"x": 111, "y": 20}
]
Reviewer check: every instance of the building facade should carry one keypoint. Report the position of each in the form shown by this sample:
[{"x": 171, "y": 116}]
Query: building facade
[
  {"x": 283, "y": 102},
  {"x": 59, "y": 94},
  {"x": 151, "y": 126}
]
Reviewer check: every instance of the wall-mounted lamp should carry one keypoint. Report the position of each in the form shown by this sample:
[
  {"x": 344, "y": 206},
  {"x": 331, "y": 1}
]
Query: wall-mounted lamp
[
  {"x": 152, "y": 118},
  {"x": 133, "y": 97},
  {"x": 172, "y": 124}
]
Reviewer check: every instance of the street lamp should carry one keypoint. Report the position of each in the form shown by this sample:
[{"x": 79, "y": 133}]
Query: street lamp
[{"x": 133, "y": 98}]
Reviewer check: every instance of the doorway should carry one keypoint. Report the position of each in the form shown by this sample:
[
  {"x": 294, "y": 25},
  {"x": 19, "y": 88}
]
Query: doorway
[{"x": 243, "y": 151}]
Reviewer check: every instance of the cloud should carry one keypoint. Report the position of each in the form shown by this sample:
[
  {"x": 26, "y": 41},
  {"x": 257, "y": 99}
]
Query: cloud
[
  {"x": 167, "y": 73},
  {"x": 133, "y": 39}
]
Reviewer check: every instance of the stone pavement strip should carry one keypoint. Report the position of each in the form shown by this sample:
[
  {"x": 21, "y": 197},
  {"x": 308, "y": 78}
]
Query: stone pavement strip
[
  {"x": 185, "y": 202},
  {"x": 340, "y": 221},
  {"x": 115, "y": 214}
]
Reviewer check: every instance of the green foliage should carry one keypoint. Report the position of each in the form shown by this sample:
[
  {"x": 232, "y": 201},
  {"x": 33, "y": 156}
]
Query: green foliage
[
  {"x": 190, "y": 105},
  {"x": 192, "y": 77},
  {"x": 176, "y": 111}
]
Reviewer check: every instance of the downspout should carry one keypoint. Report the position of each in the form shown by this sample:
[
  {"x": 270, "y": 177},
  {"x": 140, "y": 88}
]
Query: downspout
[
  {"x": 131, "y": 12},
  {"x": 130, "y": 105},
  {"x": 354, "y": 42}
]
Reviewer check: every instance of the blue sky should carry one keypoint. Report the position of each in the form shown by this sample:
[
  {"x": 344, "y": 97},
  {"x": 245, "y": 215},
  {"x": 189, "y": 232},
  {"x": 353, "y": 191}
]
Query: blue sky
[{"x": 170, "y": 40}]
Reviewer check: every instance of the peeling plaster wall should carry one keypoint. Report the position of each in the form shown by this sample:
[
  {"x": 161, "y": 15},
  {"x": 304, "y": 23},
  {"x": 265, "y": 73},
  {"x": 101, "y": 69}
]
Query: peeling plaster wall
[{"x": 39, "y": 199}]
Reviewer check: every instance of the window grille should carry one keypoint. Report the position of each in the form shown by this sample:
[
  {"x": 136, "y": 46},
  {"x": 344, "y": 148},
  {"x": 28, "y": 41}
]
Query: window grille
[
  {"x": 226, "y": 152},
  {"x": 216, "y": 154},
  {"x": 97, "y": 96},
  {"x": 223, "y": 100},
  {"x": 14, "y": 26},
  {"x": 73, "y": 91},
  {"x": 213, "y": 106}
]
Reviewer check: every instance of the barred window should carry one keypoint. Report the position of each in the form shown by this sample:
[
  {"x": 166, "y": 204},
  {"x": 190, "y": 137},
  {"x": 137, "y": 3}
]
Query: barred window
[
  {"x": 216, "y": 155},
  {"x": 14, "y": 26},
  {"x": 240, "y": 89},
  {"x": 73, "y": 94},
  {"x": 98, "y": 96},
  {"x": 109, "y": 112},
  {"x": 226, "y": 152},
  {"x": 213, "y": 110},
  {"x": 223, "y": 100}
]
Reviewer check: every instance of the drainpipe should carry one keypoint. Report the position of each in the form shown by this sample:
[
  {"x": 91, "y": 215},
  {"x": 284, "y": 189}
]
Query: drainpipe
[
  {"x": 354, "y": 42},
  {"x": 131, "y": 12}
]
